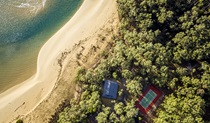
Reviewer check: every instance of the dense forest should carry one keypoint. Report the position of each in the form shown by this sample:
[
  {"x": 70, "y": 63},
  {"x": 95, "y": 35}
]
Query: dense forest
[{"x": 161, "y": 42}]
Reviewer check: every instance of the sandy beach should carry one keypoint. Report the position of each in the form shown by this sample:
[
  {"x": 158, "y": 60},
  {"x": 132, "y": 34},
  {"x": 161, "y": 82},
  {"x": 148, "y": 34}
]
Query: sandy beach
[{"x": 25, "y": 97}]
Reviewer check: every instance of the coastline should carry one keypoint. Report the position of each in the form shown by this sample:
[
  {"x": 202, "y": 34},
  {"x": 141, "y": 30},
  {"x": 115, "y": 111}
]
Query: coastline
[
  {"x": 19, "y": 59},
  {"x": 25, "y": 97}
]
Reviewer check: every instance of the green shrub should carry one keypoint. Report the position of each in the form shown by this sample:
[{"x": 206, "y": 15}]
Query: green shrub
[{"x": 19, "y": 121}]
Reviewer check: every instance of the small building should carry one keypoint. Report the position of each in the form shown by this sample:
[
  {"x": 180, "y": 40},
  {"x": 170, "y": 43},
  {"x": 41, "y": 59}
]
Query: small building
[
  {"x": 149, "y": 100},
  {"x": 110, "y": 89}
]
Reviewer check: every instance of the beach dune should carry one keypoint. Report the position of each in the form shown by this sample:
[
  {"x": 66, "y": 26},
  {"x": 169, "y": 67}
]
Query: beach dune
[{"x": 23, "y": 98}]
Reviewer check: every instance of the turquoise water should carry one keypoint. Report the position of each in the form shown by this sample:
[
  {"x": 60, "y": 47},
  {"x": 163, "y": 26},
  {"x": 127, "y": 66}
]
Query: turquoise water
[{"x": 25, "y": 25}]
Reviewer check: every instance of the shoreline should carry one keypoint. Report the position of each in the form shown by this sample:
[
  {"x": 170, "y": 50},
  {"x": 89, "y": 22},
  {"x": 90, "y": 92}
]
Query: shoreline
[
  {"x": 19, "y": 60},
  {"x": 25, "y": 97}
]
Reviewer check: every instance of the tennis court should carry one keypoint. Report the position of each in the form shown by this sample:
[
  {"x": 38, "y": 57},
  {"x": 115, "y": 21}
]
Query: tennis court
[{"x": 148, "y": 98}]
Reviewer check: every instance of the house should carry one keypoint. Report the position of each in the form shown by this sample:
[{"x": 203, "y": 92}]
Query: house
[
  {"x": 149, "y": 100},
  {"x": 110, "y": 89}
]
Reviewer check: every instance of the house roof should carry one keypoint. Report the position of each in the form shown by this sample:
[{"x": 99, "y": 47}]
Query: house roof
[
  {"x": 110, "y": 89},
  {"x": 148, "y": 99}
]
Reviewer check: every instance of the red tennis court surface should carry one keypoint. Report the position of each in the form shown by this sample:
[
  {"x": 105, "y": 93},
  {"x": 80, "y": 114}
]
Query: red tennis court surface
[{"x": 148, "y": 99}]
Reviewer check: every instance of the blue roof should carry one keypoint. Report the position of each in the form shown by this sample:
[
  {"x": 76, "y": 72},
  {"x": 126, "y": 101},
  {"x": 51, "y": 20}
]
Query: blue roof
[{"x": 110, "y": 89}]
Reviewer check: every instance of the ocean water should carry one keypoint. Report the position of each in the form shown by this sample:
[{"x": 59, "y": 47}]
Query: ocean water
[{"x": 25, "y": 25}]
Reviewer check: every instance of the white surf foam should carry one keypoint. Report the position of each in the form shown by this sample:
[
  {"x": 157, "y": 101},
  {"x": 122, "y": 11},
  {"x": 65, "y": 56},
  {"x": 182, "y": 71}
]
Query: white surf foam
[
  {"x": 33, "y": 5},
  {"x": 24, "y": 5},
  {"x": 43, "y": 3}
]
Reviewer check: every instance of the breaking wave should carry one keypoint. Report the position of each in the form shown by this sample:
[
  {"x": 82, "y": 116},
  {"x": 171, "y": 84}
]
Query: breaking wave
[{"x": 33, "y": 5}]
